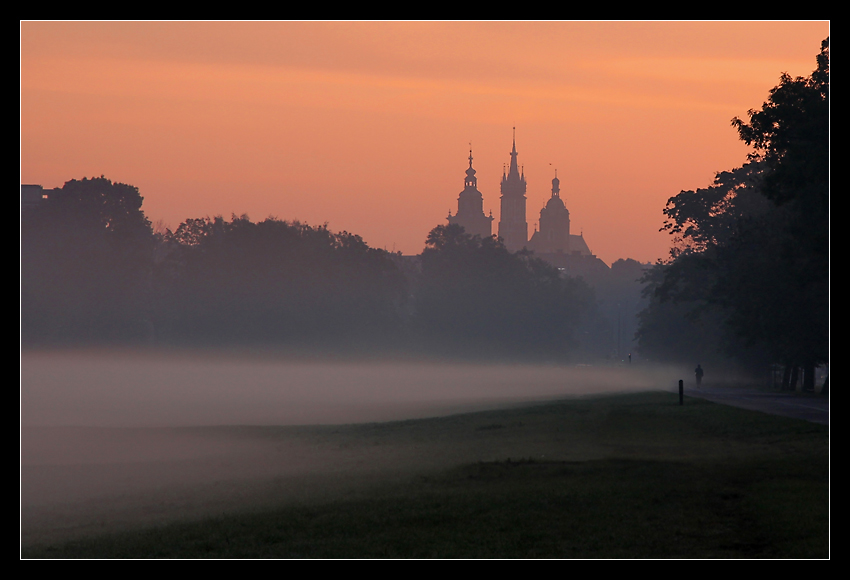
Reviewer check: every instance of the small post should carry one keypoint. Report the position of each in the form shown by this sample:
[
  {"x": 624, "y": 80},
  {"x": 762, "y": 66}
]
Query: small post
[{"x": 681, "y": 392}]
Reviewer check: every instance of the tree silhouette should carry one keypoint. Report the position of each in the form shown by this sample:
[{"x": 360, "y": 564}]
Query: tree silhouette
[
  {"x": 477, "y": 296},
  {"x": 85, "y": 264},
  {"x": 754, "y": 246},
  {"x": 790, "y": 134},
  {"x": 274, "y": 281}
]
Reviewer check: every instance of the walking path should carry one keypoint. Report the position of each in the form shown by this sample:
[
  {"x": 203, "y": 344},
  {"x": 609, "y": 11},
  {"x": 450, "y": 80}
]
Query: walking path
[{"x": 799, "y": 406}]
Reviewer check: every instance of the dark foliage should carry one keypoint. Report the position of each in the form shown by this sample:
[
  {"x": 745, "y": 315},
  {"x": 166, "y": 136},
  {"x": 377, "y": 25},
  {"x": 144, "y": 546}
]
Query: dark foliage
[
  {"x": 85, "y": 260},
  {"x": 791, "y": 135},
  {"x": 274, "y": 281},
  {"x": 708, "y": 217},
  {"x": 751, "y": 253},
  {"x": 474, "y": 293}
]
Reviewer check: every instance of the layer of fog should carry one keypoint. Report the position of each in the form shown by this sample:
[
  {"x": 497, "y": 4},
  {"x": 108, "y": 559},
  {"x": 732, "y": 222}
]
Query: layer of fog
[
  {"x": 111, "y": 440},
  {"x": 145, "y": 390}
]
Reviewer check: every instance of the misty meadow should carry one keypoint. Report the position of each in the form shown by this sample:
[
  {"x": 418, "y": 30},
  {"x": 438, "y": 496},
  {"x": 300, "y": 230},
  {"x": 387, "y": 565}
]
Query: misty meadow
[{"x": 233, "y": 387}]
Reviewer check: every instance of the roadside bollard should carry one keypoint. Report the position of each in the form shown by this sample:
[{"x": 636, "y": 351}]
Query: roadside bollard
[{"x": 681, "y": 392}]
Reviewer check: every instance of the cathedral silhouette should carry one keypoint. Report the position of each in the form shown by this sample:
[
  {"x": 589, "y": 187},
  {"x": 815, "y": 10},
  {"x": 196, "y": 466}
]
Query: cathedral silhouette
[{"x": 553, "y": 242}]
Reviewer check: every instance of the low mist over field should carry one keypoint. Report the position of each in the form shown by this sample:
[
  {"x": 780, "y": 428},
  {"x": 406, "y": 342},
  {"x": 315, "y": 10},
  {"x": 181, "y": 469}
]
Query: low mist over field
[
  {"x": 102, "y": 389},
  {"x": 240, "y": 288},
  {"x": 121, "y": 439}
]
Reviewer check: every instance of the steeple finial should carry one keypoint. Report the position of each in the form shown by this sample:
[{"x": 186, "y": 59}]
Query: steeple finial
[
  {"x": 514, "y": 170},
  {"x": 471, "y": 181}
]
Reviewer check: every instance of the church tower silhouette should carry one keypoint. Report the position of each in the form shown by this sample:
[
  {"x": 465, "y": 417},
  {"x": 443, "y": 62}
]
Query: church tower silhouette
[
  {"x": 470, "y": 207},
  {"x": 513, "y": 228},
  {"x": 554, "y": 234}
]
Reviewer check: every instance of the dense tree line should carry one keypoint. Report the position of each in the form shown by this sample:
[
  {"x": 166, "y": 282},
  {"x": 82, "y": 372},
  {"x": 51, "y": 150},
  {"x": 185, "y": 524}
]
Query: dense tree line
[
  {"x": 475, "y": 294},
  {"x": 85, "y": 264},
  {"x": 748, "y": 275},
  {"x": 93, "y": 271},
  {"x": 274, "y": 281}
]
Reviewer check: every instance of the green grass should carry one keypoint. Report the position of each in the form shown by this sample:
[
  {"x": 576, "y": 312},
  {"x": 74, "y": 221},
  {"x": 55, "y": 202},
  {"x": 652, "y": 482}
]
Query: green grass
[{"x": 632, "y": 476}]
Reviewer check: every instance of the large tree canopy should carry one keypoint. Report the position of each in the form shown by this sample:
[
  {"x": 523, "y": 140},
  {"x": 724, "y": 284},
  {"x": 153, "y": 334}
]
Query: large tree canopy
[
  {"x": 751, "y": 251},
  {"x": 85, "y": 260},
  {"x": 709, "y": 216},
  {"x": 228, "y": 281},
  {"x": 475, "y": 294},
  {"x": 791, "y": 135}
]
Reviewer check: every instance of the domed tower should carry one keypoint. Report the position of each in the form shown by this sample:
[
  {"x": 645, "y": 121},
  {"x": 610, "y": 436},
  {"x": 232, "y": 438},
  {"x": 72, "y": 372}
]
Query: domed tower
[
  {"x": 470, "y": 207},
  {"x": 555, "y": 222},
  {"x": 554, "y": 234},
  {"x": 513, "y": 228}
]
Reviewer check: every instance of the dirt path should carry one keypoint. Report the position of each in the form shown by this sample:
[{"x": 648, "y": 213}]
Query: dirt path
[{"x": 798, "y": 406}]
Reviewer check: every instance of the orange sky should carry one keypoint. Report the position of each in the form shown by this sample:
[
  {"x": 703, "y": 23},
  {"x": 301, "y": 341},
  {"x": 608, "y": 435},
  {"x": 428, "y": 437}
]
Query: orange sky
[{"x": 366, "y": 125}]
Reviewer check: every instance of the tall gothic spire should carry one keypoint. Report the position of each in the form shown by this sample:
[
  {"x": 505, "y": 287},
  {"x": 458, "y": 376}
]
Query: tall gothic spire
[
  {"x": 514, "y": 171},
  {"x": 513, "y": 227}
]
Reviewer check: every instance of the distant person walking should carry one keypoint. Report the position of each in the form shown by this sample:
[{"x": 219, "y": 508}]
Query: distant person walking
[{"x": 699, "y": 373}]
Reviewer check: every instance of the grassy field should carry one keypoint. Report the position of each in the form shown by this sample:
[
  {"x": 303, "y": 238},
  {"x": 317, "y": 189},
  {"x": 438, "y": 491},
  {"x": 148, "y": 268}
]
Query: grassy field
[{"x": 627, "y": 476}]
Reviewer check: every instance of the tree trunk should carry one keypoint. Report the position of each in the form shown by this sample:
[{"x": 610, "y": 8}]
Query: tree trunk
[
  {"x": 809, "y": 377},
  {"x": 786, "y": 377}
]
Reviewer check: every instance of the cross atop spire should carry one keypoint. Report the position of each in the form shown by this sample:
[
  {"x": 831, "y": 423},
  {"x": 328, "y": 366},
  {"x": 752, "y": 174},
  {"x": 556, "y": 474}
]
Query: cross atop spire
[
  {"x": 514, "y": 170},
  {"x": 470, "y": 206},
  {"x": 471, "y": 180},
  {"x": 556, "y": 186}
]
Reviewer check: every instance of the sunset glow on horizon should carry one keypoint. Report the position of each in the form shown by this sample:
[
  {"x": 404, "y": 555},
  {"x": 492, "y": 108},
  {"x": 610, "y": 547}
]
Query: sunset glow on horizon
[{"x": 366, "y": 126}]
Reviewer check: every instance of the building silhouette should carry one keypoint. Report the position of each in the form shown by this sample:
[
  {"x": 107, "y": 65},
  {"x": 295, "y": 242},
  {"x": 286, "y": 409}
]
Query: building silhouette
[
  {"x": 470, "y": 207},
  {"x": 552, "y": 242},
  {"x": 554, "y": 236},
  {"x": 33, "y": 196},
  {"x": 617, "y": 290},
  {"x": 513, "y": 227}
]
